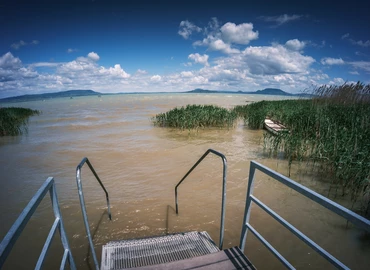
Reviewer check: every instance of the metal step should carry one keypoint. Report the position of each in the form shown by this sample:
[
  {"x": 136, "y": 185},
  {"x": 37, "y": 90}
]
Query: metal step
[
  {"x": 156, "y": 250},
  {"x": 227, "y": 259}
]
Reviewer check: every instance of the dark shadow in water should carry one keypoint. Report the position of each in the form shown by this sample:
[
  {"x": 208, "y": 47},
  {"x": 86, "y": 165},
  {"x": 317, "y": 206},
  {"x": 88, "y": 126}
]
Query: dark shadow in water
[
  {"x": 10, "y": 140},
  {"x": 169, "y": 208},
  {"x": 216, "y": 135},
  {"x": 89, "y": 264},
  {"x": 364, "y": 239}
]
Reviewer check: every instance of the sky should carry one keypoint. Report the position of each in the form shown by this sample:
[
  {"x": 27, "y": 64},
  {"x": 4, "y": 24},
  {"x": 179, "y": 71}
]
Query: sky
[{"x": 175, "y": 46}]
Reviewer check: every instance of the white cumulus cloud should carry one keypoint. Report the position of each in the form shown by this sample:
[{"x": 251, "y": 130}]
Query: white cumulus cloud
[
  {"x": 270, "y": 60},
  {"x": 281, "y": 19},
  {"x": 141, "y": 72},
  {"x": 362, "y": 43},
  {"x": 295, "y": 44},
  {"x": 227, "y": 37},
  {"x": 13, "y": 73},
  {"x": 187, "y": 74},
  {"x": 70, "y": 68},
  {"x": 216, "y": 44},
  {"x": 187, "y": 28},
  {"x": 45, "y": 64},
  {"x": 238, "y": 34},
  {"x": 220, "y": 45},
  {"x": 201, "y": 59},
  {"x": 332, "y": 61},
  {"x": 345, "y": 36},
  {"x": 93, "y": 56},
  {"x": 156, "y": 78},
  {"x": 17, "y": 45},
  {"x": 356, "y": 42},
  {"x": 115, "y": 72},
  {"x": 21, "y": 43},
  {"x": 8, "y": 61},
  {"x": 363, "y": 65},
  {"x": 337, "y": 81}
]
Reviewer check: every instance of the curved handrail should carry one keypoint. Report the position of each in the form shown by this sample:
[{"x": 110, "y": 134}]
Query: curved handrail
[
  {"x": 83, "y": 207},
  {"x": 224, "y": 161},
  {"x": 15, "y": 231}
]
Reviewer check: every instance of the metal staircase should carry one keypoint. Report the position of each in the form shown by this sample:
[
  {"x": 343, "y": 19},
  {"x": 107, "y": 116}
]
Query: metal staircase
[{"x": 190, "y": 250}]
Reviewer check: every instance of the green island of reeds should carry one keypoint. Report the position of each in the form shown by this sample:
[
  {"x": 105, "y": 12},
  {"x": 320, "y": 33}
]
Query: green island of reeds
[
  {"x": 332, "y": 129},
  {"x": 13, "y": 120},
  {"x": 195, "y": 117}
]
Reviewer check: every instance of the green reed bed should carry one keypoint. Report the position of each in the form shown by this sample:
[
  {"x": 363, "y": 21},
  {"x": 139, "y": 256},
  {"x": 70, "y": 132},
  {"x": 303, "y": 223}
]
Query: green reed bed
[
  {"x": 13, "y": 121},
  {"x": 332, "y": 129},
  {"x": 195, "y": 117}
]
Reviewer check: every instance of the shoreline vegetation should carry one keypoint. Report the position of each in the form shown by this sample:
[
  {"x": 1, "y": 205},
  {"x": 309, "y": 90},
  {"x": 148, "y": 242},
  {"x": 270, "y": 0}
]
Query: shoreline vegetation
[
  {"x": 13, "y": 120},
  {"x": 330, "y": 131},
  {"x": 195, "y": 117}
]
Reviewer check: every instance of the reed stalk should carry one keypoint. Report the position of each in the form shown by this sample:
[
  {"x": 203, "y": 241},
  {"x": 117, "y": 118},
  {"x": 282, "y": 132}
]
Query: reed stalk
[
  {"x": 195, "y": 117},
  {"x": 13, "y": 120},
  {"x": 332, "y": 128}
]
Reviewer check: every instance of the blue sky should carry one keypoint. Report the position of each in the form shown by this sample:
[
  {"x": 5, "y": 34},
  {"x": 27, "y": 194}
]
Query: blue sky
[{"x": 149, "y": 46}]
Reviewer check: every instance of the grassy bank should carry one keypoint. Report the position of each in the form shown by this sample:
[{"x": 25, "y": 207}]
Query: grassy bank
[
  {"x": 196, "y": 116},
  {"x": 332, "y": 129},
  {"x": 13, "y": 121}
]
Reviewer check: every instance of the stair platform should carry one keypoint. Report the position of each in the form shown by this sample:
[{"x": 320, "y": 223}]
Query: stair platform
[{"x": 191, "y": 250}]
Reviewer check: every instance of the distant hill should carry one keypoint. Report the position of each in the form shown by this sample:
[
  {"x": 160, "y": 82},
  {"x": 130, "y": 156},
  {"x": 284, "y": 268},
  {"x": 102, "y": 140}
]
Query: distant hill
[
  {"x": 80, "y": 93},
  {"x": 198, "y": 90},
  {"x": 69, "y": 94},
  {"x": 267, "y": 91},
  {"x": 272, "y": 91}
]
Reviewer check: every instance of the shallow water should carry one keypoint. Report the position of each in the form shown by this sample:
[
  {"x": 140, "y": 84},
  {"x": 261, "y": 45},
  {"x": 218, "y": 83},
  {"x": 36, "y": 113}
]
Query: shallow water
[{"x": 140, "y": 165}]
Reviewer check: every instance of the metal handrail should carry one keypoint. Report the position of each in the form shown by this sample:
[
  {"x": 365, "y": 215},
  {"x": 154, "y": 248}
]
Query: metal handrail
[
  {"x": 83, "y": 207},
  {"x": 11, "y": 237},
  {"x": 356, "y": 219},
  {"x": 224, "y": 161}
]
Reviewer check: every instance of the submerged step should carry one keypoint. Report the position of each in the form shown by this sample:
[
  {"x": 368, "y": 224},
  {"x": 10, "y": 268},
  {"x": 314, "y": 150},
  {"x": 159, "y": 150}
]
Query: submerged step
[
  {"x": 228, "y": 259},
  {"x": 156, "y": 250}
]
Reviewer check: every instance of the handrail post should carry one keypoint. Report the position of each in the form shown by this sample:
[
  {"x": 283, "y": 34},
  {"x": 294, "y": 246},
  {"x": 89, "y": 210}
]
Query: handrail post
[
  {"x": 63, "y": 236},
  {"x": 248, "y": 204},
  {"x": 83, "y": 206},
  {"x": 223, "y": 203},
  {"x": 224, "y": 162}
]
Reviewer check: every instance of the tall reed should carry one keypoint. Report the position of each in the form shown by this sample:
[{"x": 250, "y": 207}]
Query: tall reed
[
  {"x": 13, "y": 120},
  {"x": 332, "y": 129},
  {"x": 195, "y": 117}
]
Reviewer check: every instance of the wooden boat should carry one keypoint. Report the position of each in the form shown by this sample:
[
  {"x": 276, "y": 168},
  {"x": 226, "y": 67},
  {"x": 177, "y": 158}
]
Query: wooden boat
[{"x": 274, "y": 127}]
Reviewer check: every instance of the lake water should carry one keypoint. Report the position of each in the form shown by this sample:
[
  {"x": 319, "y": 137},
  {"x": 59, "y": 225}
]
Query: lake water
[{"x": 140, "y": 165}]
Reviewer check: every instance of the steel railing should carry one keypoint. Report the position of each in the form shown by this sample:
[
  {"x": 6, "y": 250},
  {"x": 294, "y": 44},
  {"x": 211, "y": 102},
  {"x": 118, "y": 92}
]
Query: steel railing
[
  {"x": 83, "y": 207},
  {"x": 332, "y": 206},
  {"x": 11, "y": 237},
  {"x": 222, "y": 226}
]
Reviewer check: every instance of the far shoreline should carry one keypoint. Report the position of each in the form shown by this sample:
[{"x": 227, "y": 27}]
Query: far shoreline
[{"x": 71, "y": 94}]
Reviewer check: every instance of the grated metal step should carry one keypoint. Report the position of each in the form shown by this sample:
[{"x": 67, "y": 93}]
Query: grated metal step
[
  {"x": 227, "y": 259},
  {"x": 156, "y": 250}
]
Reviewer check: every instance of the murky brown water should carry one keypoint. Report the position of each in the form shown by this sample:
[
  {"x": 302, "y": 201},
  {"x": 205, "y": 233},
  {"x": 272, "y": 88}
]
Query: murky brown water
[{"x": 140, "y": 166}]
